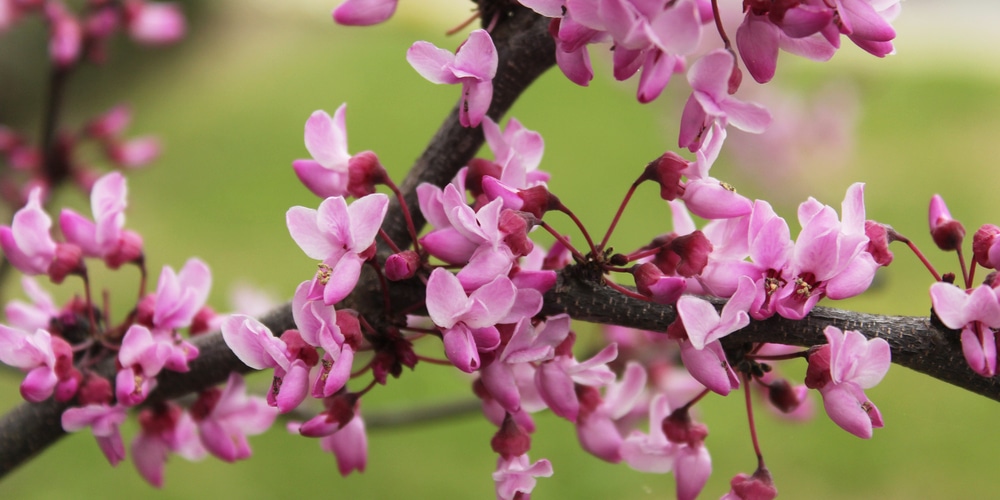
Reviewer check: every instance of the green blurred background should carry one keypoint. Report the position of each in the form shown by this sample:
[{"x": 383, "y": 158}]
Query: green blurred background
[{"x": 230, "y": 103}]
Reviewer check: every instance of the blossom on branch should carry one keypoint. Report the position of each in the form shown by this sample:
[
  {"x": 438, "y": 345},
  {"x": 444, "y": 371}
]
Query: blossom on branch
[{"x": 474, "y": 65}]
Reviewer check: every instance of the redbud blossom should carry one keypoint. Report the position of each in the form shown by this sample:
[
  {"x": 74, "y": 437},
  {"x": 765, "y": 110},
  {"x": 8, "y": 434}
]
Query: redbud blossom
[
  {"x": 841, "y": 370},
  {"x": 103, "y": 421},
  {"x": 474, "y": 65},
  {"x": 364, "y": 12},
  {"x": 154, "y": 23}
]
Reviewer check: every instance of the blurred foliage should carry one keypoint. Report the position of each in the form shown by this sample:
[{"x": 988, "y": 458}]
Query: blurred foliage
[{"x": 230, "y": 103}]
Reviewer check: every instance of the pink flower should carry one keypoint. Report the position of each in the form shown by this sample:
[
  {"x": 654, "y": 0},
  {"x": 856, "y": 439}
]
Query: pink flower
[
  {"x": 179, "y": 296},
  {"x": 258, "y": 348},
  {"x": 154, "y": 23},
  {"x": 769, "y": 26},
  {"x": 225, "y": 418},
  {"x": 164, "y": 429},
  {"x": 711, "y": 103},
  {"x": 105, "y": 237},
  {"x": 829, "y": 257},
  {"x": 141, "y": 357},
  {"x": 364, "y": 12},
  {"x": 515, "y": 476},
  {"x": 841, "y": 370},
  {"x": 474, "y": 65},
  {"x": 103, "y": 421},
  {"x": 468, "y": 322},
  {"x": 47, "y": 359},
  {"x": 349, "y": 445},
  {"x": 28, "y": 244},
  {"x": 759, "y": 486},
  {"x": 977, "y": 314},
  {"x": 341, "y": 237},
  {"x": 326, "y": 174}
]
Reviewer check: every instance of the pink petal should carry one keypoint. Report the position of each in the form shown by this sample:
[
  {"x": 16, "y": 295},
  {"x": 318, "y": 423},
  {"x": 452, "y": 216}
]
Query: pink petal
[
  {"x": 433, "y": 63},
  {"x": 757, "y": 39},
  {"x": 303, "y": 227},
  {"x": 326, "y": 138},
  {"x": 477, "y": 57},
  {"x": 322, "y": 181},
  {"x": 364, "y": 12},
  {"x": 460, "y": 348}
]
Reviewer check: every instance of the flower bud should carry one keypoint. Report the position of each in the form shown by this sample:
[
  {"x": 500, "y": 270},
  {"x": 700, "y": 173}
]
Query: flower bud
[
  {"x": 986, "y": 246},
  {"x": 364, "y": 173},
  {"x": 666, "y": 171},
  {"x": 878, "y": 242},
  {"x": 402, "y": 265},
  {"x": 511, "y": 440},
  {"x": 947, "y": 233}
]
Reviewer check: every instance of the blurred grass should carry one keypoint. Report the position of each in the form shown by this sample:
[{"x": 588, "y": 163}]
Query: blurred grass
[{"x": 230, "y": 105}]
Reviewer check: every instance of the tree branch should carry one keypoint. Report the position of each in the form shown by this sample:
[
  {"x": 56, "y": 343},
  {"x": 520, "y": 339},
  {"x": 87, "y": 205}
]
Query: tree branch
[{"x": 525, "y": 50}]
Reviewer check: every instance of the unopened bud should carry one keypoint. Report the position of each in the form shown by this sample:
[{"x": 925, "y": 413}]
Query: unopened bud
[
  {"x": 878, "y": 242},
  {"x": 402, "y": 265},
  {"x": 666, "y": 171},
  {"x": 947, "y": 233},
  {"x": 364, "y": 172},
  {"x": 986, "y": 246},
  {"x": 511, "y": 440}
]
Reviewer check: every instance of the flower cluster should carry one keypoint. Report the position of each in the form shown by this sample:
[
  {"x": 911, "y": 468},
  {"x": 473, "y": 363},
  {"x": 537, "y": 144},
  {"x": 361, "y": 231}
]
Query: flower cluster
[
  {"x": 65, "y": 351},
  {"x": 975, "y": 311}
]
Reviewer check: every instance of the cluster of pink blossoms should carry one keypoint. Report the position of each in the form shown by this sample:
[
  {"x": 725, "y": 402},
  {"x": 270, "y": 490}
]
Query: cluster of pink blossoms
[
  {"x": 62, "y": 349},
  {"x": 975, "y": 311},
  {"x": 485, "y": 301},
  {"x": 76, "y": 38}
]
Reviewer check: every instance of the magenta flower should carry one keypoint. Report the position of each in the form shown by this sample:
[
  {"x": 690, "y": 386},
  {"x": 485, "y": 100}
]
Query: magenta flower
[
  {"x": 105, "y": 237},
  {"x": 474, "y": 65},
  {"x": 341, "y": 237},
  {"x": 258, "y": 348},
  {"x": 651, "y": 452},
  {"x": 164, "y": 429},
  {"x": 226, "y": 417},
  {"x": 28, "y": 244},
  {"x": 179, "y": 296},
  {"x": 326, "y": 174},
  {"x": 829, "y": 257},
  {"x": 841, "y": 370},
  {"x": 154, "y": 23},
  {"x": 349, "y": 445},
  {"x": 47, "y": 359},
  {"x": 528, "y": 345},
  {"x": 515, "y": 476},
  {"x": 976, "y": 314},
  {"x": 38, "y": 314},
  {"x": 141, "y": 357},
  {"x": 518, "y": 151},
  {"x": 769, "y": 26},
  {"x": 711, "y": 103},
  {"x": 468, "y": 321},
  {"x": 364, "y": 12},
  {"x": 103, "y": 421},
  {"x": 596, "y": 424},
  {"x": 557, "y": 378}
]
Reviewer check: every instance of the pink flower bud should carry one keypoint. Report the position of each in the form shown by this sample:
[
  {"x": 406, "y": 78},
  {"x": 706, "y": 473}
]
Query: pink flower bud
[
  {"x": 95, "y": 389},
  {"x": 68, "y": 260},
  {"x": 111, "y": 124},
  {"x": 516, "y": 225},
  {"x": 135, "y": 153},
  {"x": 947, "y": 233},
  {"x": 154, "y": 23},
  {"x": 759, "y": 486},
  {"x": 878, "y": 242},
  {"x": 511, "y": 440},
  {"x": 986, "y": 246},
  {"x": 364, "y": 173},
  {"x": 401, "y": 266},
  {"x": 666, "y": 171}
]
